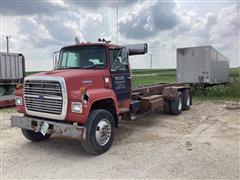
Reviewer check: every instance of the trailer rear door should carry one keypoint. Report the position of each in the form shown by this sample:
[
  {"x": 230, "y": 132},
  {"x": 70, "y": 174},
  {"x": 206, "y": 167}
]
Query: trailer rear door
[{"x": 192, "y": 64}]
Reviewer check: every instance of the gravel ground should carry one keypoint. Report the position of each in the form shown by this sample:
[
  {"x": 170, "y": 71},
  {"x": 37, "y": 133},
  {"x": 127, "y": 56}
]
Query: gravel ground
[{"x": 201, "y": 143}]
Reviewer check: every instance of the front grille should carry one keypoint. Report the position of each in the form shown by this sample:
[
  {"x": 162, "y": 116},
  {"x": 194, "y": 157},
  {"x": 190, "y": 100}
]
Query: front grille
[{"x": 43, "y": 96}]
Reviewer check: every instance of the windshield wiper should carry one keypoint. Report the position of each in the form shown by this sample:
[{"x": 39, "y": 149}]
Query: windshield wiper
[
  {"x": 86, "y": 67},
  {"x": 70, "y": 68},
  {"x": 93, "y": 65}
]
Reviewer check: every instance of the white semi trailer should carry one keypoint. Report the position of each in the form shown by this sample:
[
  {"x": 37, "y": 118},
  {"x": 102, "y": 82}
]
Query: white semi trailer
[{"x": 201, "y": 65}]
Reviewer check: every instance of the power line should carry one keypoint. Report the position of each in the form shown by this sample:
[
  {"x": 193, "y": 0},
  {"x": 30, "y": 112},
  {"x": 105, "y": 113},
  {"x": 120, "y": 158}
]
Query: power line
[{"x": 8, "y": 37}]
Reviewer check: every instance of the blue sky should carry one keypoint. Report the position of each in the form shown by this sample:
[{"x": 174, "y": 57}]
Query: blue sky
[{"x": 37, "y": 28}]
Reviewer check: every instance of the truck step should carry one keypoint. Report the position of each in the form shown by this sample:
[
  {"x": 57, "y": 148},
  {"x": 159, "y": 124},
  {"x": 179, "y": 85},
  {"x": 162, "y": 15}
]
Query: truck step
[{"x": 123, "y": 110}]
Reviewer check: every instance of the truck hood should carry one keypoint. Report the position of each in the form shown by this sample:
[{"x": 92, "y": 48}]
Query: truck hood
[{"x": 72, "y": 73}]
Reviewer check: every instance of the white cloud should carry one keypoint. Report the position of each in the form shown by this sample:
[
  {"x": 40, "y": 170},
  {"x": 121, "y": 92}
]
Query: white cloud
[
  {"x": 164, "y": 26},
  {"x": 149, "y": 19}
]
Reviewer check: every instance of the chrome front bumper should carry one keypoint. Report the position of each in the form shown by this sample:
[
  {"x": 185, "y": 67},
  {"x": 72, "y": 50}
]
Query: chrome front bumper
[{"x": 56, "y": 128}]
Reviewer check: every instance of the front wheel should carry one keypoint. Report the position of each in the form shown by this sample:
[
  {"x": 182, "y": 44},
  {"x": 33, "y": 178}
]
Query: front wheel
[
  {"x": 34, "y": 136},
  {"x": 99, "y": 132}
]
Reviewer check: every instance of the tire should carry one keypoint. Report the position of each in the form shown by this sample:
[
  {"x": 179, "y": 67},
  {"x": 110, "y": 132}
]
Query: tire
[
  {"x": 166, "y": 107},
  {"x": 186, "y": 99},
  {"x": 34, "y": 136},
  {"x": 99, "y": 120},
  {"x": 176, "y": 105},
  {"x": 12, "y": 90},
  {"x": 2, "y": 91}
]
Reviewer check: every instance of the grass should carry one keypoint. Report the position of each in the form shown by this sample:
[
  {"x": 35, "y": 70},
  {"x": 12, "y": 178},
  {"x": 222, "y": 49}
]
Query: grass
[
  {"x": 226, "y": 91},
  {"x": 149, "y": 71},
  {"x": 148, "y": 76},
  {"x": 234, "y": 74},
  {"x": 31, "y": 72},
  {"x": 145, "y": 77}
]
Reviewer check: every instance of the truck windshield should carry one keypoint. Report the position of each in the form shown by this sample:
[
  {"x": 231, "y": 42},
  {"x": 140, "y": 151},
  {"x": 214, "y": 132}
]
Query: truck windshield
[{"x": 83, "y": 57}]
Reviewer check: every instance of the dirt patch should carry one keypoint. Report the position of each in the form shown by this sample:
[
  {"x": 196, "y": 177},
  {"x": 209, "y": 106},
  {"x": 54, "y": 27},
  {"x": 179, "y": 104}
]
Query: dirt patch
[
  {"x": 200, "y": 143},
  {"x": 233, "y": 106}
]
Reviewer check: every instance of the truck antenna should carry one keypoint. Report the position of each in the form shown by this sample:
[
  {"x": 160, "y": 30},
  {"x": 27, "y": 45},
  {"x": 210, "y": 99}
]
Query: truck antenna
[{"x": 77, "y": 41}]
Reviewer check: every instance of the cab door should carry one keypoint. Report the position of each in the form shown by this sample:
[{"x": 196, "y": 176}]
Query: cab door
[{"x": 120, "y": 73}]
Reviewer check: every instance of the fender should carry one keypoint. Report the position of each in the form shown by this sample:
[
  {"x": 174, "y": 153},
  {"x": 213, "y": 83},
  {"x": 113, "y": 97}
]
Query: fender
[
  {"x": 100, "y": 94},
  {"x": 94, "y": 95}
]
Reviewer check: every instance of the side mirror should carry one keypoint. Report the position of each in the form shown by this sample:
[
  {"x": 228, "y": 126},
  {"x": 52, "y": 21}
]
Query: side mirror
[
  {"x": 55, "y": 59},
  {"x": 119, "y": 59},
  {"x": 124, "y": 55},
  {"x": 117, "y": 64},
  {"x": 125, "y": 63}
]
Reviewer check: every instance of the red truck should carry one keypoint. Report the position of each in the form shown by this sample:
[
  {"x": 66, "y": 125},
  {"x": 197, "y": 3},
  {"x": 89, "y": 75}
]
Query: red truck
[{"x": 87, "y": 93}]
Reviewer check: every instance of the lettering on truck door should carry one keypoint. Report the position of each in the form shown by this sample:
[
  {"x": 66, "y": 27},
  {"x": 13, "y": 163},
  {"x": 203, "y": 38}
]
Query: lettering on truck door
[{"x": 120, "y": 75}]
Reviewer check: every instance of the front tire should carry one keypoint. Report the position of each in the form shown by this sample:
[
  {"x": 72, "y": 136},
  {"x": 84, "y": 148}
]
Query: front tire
[
  {"x": 99, "y": 132},
  {"x": 34, "y": 136}
]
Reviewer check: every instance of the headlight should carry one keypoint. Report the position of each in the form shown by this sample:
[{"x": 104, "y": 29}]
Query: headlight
[
  {"x": 18, "y": 100},
  {"x": 77, "y": 107}
]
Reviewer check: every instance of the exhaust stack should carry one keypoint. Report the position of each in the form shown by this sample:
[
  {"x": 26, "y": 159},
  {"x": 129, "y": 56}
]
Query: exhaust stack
[{"x": 137, "y": 49}]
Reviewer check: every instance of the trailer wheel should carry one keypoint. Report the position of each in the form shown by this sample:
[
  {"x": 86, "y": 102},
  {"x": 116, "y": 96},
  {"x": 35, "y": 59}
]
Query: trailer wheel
[
  {"x": 34, "y": 136},
  {"x": 99, "y": 132},
  {"x": 12, "y": 90},
  {"x": 166, "y": 107},
  {"x": 2, "y": 91},
  {"x": 176, "y": 105},
  {"x": 186, "y": 99}
]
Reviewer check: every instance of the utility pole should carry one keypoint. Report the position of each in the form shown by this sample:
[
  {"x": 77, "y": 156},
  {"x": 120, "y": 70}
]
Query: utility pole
[
  {"x": 7, "y": 38},
  {"x": 117, "y": 24},
  {"x": 151, "y": 63}
]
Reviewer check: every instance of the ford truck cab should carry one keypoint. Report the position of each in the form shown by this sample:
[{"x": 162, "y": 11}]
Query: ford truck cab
[{"x": 81, "y": 98}]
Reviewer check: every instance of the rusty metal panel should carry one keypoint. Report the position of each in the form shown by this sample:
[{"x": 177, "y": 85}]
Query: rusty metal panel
[
  {"x": 151, "y": 89},
  {"x": 170, "y": 92},
  {"x": 152, "y": 103},
  {"x": 157, "y": 105},
  {"x": 145, "y": 105},
  {"x": 57, "y": 128}
]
